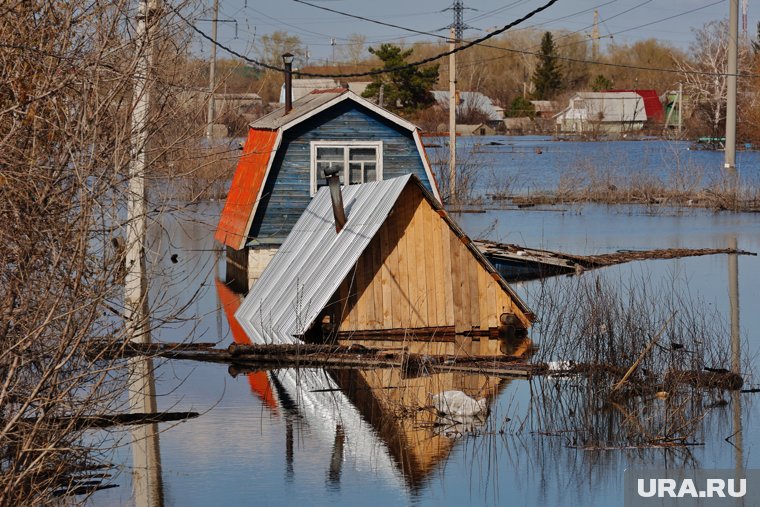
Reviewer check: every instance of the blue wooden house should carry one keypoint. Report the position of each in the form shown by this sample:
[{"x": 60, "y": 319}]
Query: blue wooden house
[{"x": 283, "y": 163}]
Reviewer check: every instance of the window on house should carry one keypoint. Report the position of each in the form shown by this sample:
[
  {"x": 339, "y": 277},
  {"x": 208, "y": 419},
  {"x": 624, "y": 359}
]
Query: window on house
[{"x": 357, "y": 162}]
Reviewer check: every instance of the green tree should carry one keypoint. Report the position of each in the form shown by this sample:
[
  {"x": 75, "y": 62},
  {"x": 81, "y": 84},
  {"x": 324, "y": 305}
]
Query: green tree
[
  {"x": 520, "y": 108},
  {"x": 547, "y": 78},
  {"x": 601, "y": 83},
  {"x": 406, "y": 89}
]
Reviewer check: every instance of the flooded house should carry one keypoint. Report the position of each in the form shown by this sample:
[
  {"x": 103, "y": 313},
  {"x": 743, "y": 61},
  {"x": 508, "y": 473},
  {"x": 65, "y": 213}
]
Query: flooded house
[
  {"x": 602, "y": 112},
  {"x": 409, "y": 441},
  {"x": 382, "y": 264},
  {"x": 283, "y": 162}
]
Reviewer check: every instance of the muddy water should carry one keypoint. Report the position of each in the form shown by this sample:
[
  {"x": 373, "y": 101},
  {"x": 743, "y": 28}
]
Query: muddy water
[{"x": 258, "y": 442}]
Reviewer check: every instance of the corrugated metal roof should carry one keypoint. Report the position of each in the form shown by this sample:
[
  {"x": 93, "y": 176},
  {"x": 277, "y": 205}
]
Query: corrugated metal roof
[
  {"x": 246, "y": 186},
  {"x": 471, "y": 100},
  {"x": 313, "y": 261},
  {"x": 652, "y": 103},
  {"x": 301, "y": 107},
  {"x": 605, "y": 107}
]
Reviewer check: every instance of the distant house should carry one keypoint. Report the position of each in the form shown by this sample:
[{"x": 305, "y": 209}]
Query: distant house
[
  {"x": 602, "y": 112},
  {"x": 237, "y": 103},
  {"x": 519, "y": 125},
  {"x": 358, "y": 87},
  {"x": 283, "y": 163},
  {"x": 303, "y": 87},
  {"x": 471, "y": 101},
  {"x": 544, "y": 108},
  {"x": 399, "y": 266},
  {"x": 479, "y": 129},
  {"x": 652, "y": 104}
]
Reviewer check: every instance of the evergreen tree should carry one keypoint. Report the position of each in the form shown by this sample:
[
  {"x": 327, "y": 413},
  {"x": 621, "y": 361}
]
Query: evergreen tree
[
  {"x": 601, "y": 83},
  {"x": 547, "y": 78},
  {"x": 521, "y": 107},
  {"x": 406, "y": 89}
]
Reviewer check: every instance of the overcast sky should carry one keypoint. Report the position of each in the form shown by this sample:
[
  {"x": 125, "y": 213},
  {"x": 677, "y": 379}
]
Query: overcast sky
[{"x": 623, "y": 19}]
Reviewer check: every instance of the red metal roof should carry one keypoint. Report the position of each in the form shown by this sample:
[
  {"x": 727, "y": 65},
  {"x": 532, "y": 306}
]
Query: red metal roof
[
  {"x": 652, "y": 104},
  {"x": 246, "y": 185}
]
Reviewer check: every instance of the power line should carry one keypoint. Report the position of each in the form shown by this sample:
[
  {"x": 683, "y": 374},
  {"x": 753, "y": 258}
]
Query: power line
[
  {"x": 470, "y": 44},
  {"x": 533, "y": 53},
  {"x": 376, "y": 71}
]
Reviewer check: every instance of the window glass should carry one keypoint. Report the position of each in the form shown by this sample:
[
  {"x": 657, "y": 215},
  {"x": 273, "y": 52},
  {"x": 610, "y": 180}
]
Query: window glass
[
  {"x": 355, "y": 163},
  {"x": 369, "y": 154},
  {"x": 370, "y": 171},
  {"x": 354, "y": 173}
]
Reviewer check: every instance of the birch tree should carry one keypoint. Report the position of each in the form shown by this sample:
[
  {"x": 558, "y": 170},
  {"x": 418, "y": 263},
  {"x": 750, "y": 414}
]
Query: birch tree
[{"x": 704, "y": 74}]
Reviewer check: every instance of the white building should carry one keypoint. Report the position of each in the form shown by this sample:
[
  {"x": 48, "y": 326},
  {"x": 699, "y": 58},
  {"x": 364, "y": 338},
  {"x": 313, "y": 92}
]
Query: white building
[{"x": 602, "y": 112}]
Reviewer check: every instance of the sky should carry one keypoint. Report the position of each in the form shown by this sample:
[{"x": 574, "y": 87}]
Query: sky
[{"x": 626, "y": 21}]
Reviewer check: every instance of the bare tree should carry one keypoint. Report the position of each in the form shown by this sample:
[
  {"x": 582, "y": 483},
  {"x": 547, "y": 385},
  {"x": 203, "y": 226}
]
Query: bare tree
[
  {"x": 65, "y": 129},
  {"x": 354, "y": 49},
  {"x": 704, "y": 74}
]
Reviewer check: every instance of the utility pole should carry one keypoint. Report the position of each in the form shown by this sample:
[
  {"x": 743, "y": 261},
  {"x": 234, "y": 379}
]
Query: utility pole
[
  {"x": 595, "y": 37},
  {"x": 456, "y": 32},
  {"x": 680, "y": 108},
  {"x": 452, "y": 117},
  {"x": 733, "y": 51},
  {"x": 212, "y": 75},
  {"x": 135, "y": 283}
]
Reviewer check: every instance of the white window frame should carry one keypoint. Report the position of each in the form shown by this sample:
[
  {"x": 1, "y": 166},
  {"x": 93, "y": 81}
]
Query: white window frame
[{"x": 377, "y": 145}]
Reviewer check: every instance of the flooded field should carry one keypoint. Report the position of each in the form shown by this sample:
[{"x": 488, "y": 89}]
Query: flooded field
[{"x": 355, "y": 437}]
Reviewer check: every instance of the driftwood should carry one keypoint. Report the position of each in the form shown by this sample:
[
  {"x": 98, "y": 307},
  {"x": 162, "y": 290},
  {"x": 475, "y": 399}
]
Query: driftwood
[
  {"x": 249, "y": 358},
  {"x": 104, "y": 421},
  {"x": 598, "y": 261}
]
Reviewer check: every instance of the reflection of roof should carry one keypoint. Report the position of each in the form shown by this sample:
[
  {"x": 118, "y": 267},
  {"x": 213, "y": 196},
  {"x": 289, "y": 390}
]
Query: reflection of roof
[
  {"x": 259, "y": 381},
  {"x": 471, "y": 100}
]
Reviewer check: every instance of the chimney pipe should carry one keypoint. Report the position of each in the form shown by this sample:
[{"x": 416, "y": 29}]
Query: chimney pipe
[
  {"x": 333, "y": 180},
  {"x": 287, "y": 59}
]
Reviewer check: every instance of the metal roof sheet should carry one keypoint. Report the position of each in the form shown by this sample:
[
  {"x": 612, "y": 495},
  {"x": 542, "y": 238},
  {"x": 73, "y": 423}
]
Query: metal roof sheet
[
  {"x": 301, "y": 107},
  {"x": 471, "y": 100},
  {"x": 605, "y": 106},
  {"x": 314, "y": 260},
  {"x": 247, "y": 182}
]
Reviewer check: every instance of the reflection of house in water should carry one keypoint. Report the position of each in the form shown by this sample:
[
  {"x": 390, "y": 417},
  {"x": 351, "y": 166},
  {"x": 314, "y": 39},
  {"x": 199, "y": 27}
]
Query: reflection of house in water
[
  {"x": 258, "y": 380},
  {"x": 418, "y": 439},
  {"x": 377, "y": 419},
  {"x": 398, "y": 270}
]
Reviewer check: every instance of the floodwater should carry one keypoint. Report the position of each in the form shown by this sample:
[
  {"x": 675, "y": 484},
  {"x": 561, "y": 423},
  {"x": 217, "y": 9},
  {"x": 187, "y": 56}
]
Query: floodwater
[{"x": 260, "y": 441}]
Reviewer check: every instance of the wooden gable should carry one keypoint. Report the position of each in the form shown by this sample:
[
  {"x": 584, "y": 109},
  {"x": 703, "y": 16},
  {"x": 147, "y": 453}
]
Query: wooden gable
[{"x": 420, "y": 273}]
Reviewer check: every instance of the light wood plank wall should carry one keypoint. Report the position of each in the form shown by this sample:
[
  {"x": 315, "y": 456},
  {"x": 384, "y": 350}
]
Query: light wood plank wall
[{"x": 417, "y": 273}]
